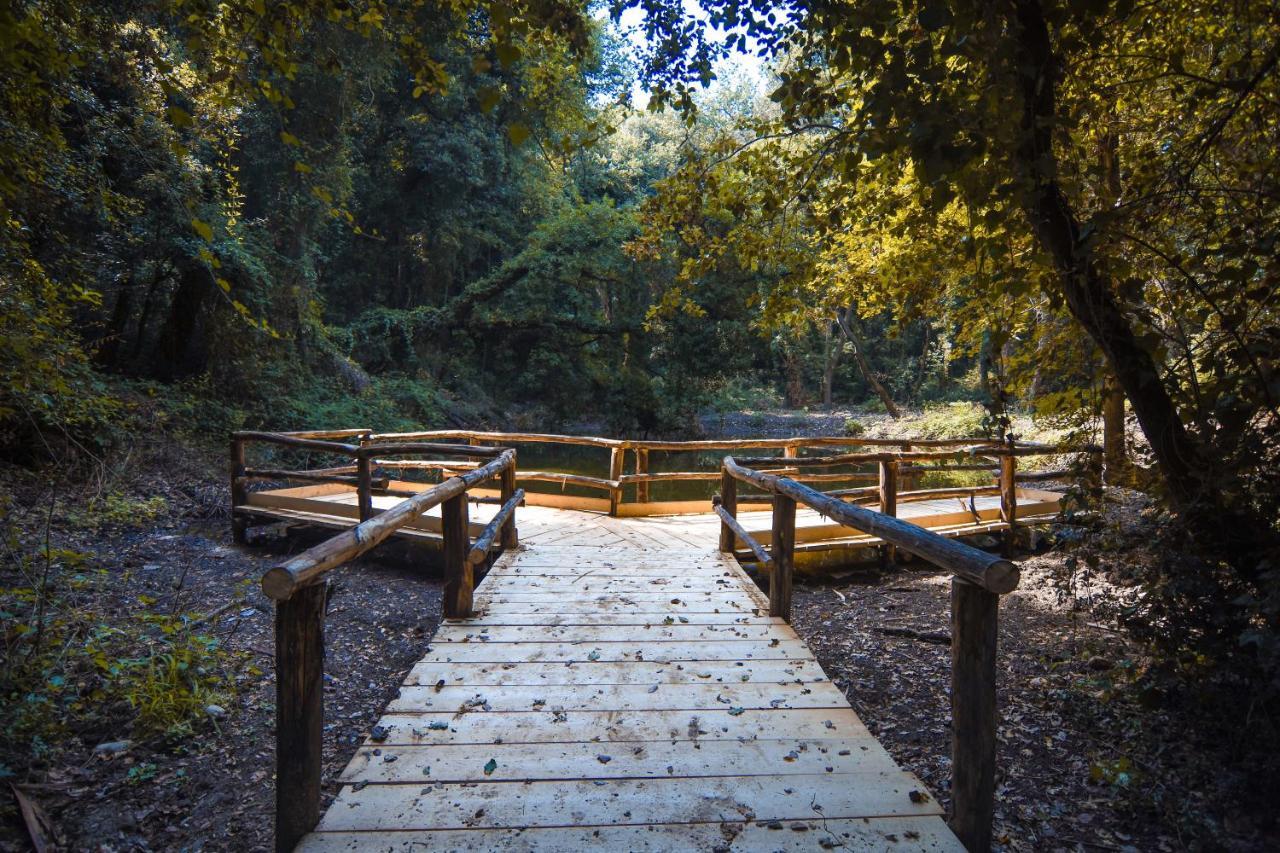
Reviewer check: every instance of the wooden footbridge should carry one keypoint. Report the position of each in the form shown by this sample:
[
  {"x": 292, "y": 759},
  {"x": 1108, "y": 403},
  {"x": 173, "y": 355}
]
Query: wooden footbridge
[{"x": 616, "y": 679}]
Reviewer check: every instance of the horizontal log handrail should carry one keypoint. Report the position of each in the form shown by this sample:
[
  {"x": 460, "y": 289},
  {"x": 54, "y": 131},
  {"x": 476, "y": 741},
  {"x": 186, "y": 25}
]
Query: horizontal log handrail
[
  {"x": 504, "y": 437},
  {"x": 374, "y": 448},
  {"x": 326, "y": 433},
  {"x": 282, "y": 581},
  {"x": 801, "y": 441},
  {"x": 318, "y": 476},
  {"x": 484, "y": 542},
  {"x": 426, "y": 464},
  {"x": 295, "y": 441},
  {"x": 740, "y": 532},
  {"x": 990, "y": 572}
]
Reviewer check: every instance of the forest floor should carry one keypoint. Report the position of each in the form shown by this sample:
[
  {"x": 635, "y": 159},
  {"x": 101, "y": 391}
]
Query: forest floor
[{"x": 1091, "y": 757}]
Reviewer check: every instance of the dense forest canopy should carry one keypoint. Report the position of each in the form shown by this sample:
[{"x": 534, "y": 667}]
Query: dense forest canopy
[{"x": 323, "y": 212}]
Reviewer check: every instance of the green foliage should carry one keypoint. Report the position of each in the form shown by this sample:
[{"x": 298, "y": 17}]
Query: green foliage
[
  {"x": 950, "y": 420},
  {"x": 854, "y": 427},
  {"x": 118, "y": 509}
]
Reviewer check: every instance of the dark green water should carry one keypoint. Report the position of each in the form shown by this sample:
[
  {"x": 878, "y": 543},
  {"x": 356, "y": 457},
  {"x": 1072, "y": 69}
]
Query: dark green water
[{"x": 594, "y": 462}]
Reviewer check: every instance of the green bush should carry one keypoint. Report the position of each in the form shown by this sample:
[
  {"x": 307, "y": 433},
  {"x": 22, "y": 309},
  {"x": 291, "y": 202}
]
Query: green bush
[
  {"x": 950, "y": 420},
  {"x": 854, "y": 428},
  {"x": 119, "y": 509}
]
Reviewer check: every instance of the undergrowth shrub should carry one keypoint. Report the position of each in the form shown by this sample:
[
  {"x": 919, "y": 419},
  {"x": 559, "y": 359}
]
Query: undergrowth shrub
[
  {"x": 950, "y": 420},
  {"x": 79, "y": 659}
]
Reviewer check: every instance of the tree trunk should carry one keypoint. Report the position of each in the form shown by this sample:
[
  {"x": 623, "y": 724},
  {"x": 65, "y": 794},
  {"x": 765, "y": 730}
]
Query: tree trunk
[
  {"x": 1181, "y": 458},
  {"x": 831, "y": 346},
  {"x": 847, "y": 321},
  {"x": 176, "y": 351},
  {"x": 794, "y": 380},
  {"x": 110, "y": 346},
  {"x": 1114, "y": 457}
]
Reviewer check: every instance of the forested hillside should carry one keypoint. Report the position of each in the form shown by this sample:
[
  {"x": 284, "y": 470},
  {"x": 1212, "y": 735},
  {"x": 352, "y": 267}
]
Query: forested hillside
[
  {"x": 322, "y": 235},
  {"x": 628, "y": 217}
]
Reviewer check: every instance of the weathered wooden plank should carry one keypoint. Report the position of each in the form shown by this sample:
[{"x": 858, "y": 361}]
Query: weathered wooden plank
[
  {"x": 616, "y": 697},
  {"x": 676, "y": 597},
  {"x": 551, "y": 726},
  {"x": 684, "y": 606},
  {"x": 628, "y": 801},
  {"x": 620, "y": 672},
  {"x": 655, "y": 630},
  {"x": 622, "y": 616},
  {"x": 376, "y": 764},
  {"x": 594, "y": 582},
  {"x": 653, "y": 651},
  {"x": 881, "y": 834}
]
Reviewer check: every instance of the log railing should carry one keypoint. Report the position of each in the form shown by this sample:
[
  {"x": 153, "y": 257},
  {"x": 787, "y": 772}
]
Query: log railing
[
  {"x": 979, "y": 579},
  {"x": 628, "y": 463},
  {"x": 896, "y": 466},
  {"x": 299, "y": 589}
]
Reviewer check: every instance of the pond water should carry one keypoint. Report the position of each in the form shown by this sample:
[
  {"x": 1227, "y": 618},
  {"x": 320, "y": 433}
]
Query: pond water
[{"x": 594, "y": 462}]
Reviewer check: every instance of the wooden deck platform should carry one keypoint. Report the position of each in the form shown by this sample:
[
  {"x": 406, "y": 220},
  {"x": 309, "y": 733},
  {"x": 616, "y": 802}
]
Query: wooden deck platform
[
  {"x": 622, "y": 686},
  {"x": 335, "y": 506}
]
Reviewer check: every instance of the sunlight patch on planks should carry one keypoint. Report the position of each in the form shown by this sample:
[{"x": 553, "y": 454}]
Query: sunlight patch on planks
[{"x": 623, "y": 686}]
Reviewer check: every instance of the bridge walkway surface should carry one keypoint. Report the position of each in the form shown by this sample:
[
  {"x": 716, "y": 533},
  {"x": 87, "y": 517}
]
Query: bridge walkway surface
[{"x": 621, "y": 684}]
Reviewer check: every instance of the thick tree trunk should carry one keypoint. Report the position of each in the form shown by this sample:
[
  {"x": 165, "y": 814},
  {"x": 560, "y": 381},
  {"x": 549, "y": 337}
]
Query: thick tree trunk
[
  {"x": 848, "y": 325},
  {"x": 176, "y": 352},
  {"x": 1182, "y": 460}
]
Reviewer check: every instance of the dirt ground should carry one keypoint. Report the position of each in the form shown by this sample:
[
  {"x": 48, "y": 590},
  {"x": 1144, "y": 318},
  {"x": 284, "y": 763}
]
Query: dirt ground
[
  {"x": 1089, "y": 759},
  {"x": 215, "y": 791}
]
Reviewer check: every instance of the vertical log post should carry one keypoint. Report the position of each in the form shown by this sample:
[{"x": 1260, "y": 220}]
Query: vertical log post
[
  {"x": 974, "y": 612},
  {"x": 510, "y": 538},
  {"x": 617, "y": 456},
  {"x": 888, "y": 502},
  {"x": 299, "y": 713},
  {"x": 459, "y": 580},
  {"x": 364, "y": 486},
  {"x": 1009, "y": 501},
  {"x": 783, "y": 553},
  {"x": 728, "y": 500},
  {"x": 642, "y": 467},
  {"x": 239, "y": 494}
]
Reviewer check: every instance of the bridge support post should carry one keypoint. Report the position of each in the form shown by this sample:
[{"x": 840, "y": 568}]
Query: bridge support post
[
  {"x": 1009, "y": 501},
  {"x": 459, "y": 580},
  {"x": 782, "y": 550},
  {"x": 364, "y": 486},
  {"x": 728, "y": 500},
  {"x": 642, "y": 467},
  {"x": 617, "y": 456},
  {"x": 510, "y": 538},
  {"x": 299, "y": 712},
  {"x": 239, "y": 494},
  {"x": 888, "y": 502},
  {"x": 974, "y": 630}
]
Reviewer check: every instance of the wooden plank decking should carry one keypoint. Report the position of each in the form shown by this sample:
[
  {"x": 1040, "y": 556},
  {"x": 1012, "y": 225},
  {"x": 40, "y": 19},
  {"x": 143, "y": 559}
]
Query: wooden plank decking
[{"x": 622, "y": 686}]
